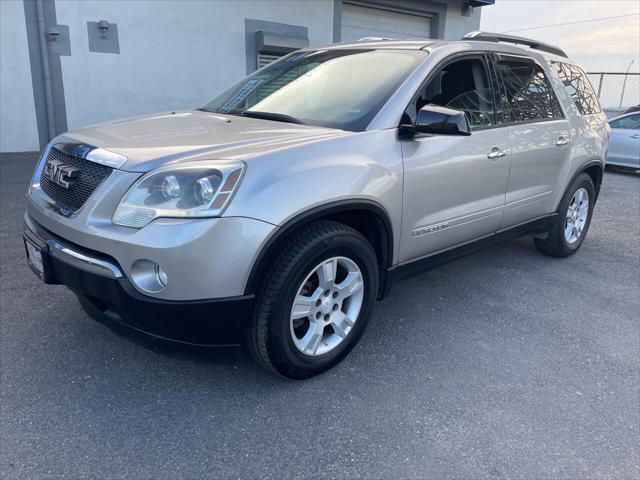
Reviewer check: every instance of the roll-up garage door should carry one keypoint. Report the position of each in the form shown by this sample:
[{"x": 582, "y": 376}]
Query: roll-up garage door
[{"x": 359, "y": 22}]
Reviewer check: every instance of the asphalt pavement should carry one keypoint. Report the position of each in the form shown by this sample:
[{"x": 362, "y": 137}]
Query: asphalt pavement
[{"x": 504, "y": 364}]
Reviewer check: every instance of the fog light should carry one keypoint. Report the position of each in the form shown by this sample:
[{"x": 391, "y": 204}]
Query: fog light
[{"x": 148, "y": 276}]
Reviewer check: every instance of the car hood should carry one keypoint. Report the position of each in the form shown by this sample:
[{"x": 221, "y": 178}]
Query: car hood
[{"x": 153, "y": 140}]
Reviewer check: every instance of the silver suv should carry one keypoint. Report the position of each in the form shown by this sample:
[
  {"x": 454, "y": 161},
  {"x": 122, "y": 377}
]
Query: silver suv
[{"x": 278, "y": 213}]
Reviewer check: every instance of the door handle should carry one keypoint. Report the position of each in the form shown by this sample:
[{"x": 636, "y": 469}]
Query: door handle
[
  {"x": 496, "y": 153},
  {"x": 562, "y": 141},
  {"x": 634, "y": 136}
]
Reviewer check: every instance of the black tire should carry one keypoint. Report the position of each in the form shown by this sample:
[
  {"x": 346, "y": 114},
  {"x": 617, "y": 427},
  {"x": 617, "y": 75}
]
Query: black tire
[
  {"x": 269, "y": 338},
  {"x": 556, "y": 245}
]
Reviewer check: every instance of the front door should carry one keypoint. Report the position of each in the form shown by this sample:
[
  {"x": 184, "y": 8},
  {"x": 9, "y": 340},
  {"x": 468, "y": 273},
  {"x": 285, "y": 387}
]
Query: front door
[{"x": 454, "y": 186}]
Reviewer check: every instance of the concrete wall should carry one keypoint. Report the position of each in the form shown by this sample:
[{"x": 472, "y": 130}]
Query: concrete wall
[
  {"x": 177, "y": 54},
  {"x": 18, "y": 129}
]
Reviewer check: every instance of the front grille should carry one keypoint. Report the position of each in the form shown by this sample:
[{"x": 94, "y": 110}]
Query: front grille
[{"x": 69, "y": 200}]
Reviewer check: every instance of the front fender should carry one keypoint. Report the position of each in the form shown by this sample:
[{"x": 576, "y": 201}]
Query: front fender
[{"x": 280, "y": 185}]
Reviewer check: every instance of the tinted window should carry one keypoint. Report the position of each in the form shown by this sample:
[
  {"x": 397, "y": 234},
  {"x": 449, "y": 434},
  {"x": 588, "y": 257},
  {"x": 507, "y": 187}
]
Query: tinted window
[
  {"x": 631, "y": 122},
  {"x": 330, "y": 88},
  {"x": 462, "y": 85},
  {"x": 578, "y": 86},
  {"x": 527, "y": 92}
]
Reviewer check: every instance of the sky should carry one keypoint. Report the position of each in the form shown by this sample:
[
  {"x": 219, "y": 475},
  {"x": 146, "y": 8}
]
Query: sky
[{"x": 603, "y": 45}]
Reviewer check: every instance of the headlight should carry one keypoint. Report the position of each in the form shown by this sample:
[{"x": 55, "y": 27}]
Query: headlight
[{"x": 190, "y": 190}]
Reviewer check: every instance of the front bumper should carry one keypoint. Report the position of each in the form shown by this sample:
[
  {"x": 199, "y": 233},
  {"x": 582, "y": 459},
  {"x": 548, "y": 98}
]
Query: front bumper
[
  {"x": 203, "y": 258},
  {"x": 103, "y": 290}
]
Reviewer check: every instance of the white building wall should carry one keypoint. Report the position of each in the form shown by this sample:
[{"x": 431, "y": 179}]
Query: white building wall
[
  {"x": 18, "y": 128},
  {"x": 458, "y": 25},
  {"x": 173, "y": 54}
]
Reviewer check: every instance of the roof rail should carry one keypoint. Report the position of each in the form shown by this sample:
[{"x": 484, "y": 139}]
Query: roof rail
[
  {"x": 374, "y": 39},
  {"x": 501, "y": 37}
]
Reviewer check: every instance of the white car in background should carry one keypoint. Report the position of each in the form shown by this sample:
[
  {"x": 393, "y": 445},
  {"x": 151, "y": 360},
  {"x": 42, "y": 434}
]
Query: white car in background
[{"x": 624, "y": 149}]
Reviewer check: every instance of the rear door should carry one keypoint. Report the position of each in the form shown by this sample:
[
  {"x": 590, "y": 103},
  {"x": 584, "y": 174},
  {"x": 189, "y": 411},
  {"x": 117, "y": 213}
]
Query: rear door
[{"x": 539, "y": 139}]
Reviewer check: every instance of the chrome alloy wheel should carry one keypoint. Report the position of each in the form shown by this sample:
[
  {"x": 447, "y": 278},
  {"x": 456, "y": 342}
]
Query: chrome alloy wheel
[
  {"x": 577, "y": 215},
  {"x": 326, "y": 306}
]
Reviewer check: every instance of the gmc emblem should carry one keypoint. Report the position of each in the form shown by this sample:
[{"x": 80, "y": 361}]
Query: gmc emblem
[{"x": 60, "y": 174}]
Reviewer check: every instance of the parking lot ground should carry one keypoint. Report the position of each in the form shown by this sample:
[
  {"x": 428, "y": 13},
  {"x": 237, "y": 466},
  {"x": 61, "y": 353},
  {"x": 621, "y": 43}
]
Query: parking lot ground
[{"x": 506, "y": 363}]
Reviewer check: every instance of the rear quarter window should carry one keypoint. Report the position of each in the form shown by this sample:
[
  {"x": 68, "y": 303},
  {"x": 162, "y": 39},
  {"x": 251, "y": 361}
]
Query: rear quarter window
[{"x": 577, "y": 85}]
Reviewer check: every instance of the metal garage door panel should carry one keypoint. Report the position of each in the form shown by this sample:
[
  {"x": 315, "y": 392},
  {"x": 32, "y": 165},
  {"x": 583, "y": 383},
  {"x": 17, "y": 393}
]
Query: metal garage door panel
[{"x": 360, "y": 22}]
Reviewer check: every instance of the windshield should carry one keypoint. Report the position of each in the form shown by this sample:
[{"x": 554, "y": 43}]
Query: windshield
[{"x": 330, "y": 88}]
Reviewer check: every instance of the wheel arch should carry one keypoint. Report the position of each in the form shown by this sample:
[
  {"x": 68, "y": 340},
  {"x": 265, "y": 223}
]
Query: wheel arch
[
  {"x": 596, "y": 171},
  {"x": 366, "y": 216},
  {"x": 593, "y": 168}
]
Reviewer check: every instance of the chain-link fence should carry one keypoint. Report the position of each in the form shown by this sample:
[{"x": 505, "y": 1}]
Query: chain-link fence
[{"x": 616, "y": 91}]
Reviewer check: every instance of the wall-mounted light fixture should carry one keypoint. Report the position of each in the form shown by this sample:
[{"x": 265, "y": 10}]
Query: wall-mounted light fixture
[
  {"x": 103, "y": 37},
  {"x": 103, "y": 25}
]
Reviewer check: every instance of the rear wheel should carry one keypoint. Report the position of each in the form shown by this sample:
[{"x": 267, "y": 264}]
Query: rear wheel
[
  {"x": 572, "y": 223},
  {"x": 315, "y": 301}
]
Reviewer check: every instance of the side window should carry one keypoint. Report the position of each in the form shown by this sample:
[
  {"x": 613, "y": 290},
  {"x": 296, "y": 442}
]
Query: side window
[
  {"x": 527, "y": 92},
  {"x": 577, "y": 85},
  {"x": 462, "y": 85},
  {"x": 631, "y": 122}
]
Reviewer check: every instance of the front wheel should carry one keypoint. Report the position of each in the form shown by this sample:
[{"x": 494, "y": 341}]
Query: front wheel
[
  {"x": 315, "y": 301},
  {"x": 572, "y": 223}
]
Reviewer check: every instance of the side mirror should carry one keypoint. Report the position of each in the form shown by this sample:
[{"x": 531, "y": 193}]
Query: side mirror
[{"x": 440, "y": 120}]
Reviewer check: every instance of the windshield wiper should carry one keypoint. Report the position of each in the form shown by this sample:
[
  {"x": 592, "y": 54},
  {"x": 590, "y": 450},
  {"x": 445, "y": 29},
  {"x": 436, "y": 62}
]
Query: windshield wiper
[
  {"x": 278, "y": 117},
  {"x": 202, "y": 109}
]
